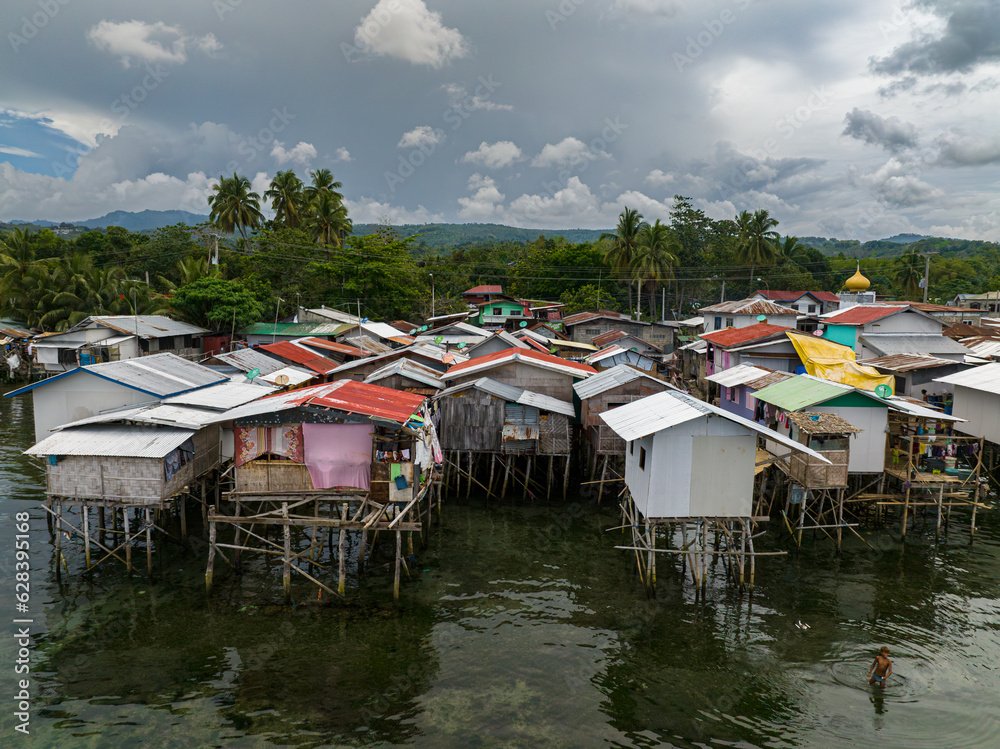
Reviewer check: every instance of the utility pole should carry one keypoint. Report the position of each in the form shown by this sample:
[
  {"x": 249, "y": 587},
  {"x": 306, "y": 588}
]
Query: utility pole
[
  {"x": 433, "y": 311},
  {"x": 927, "y": 273},
  {"x": 723, "y": 291},
  {"x": 274, "y": 331}
]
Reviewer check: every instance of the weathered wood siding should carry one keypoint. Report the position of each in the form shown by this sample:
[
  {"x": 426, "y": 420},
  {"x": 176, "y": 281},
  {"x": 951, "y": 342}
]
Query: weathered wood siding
[
  {"x": 264, "y": 475},
  {"x": 602, "y": 438},
  {"x": 554, "y": 434},
  {"x": 131, "y": 481},
  {"x": 471, "y": 420},
  {"x": 528, "y": 377}
]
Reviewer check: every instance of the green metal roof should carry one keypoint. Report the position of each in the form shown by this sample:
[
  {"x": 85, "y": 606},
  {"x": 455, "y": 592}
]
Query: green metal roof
[
  {"x": 800, "y": 392},
  {"x": 296, "y": 328}
]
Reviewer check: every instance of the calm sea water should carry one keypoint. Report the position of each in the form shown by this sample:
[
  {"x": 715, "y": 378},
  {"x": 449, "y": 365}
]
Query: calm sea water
[{"x": 522, "y": 627}]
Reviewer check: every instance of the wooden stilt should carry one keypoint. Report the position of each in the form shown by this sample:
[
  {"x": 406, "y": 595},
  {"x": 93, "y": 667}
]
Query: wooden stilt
[
  {"x": 238, "y": 551},
  {"x": 342, "y": 562},
  {"x": 182, "y": 512},
  {"x": 361, "y": 553},
  {"x": 86, "y": 535},
  {"x": 527, "y": 477},
  {"x": 604, "y": 473},
  {"x": 128, "y": 540},
  {"x": 506, "y": 475},
  {"x": 548, "y": 484},
  {"x": 399, "y": 561},
  {"x": 286, "y": 570},
  {"x": 566, "y": 477},
  {"x": 149, "y": 544},
  {"x": 100, "y": 528},
  {"x": 211, "y": 557},
  {"x": 940, "y": 509},
  {"x": 493, "y": 465}
]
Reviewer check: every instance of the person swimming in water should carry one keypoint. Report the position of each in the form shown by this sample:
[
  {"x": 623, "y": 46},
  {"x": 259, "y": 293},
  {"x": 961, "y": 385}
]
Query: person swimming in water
[{"x": 881, "y": 668}]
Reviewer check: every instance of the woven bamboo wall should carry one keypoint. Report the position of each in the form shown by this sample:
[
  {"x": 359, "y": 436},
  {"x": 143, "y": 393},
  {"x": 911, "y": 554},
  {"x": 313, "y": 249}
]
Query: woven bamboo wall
[
  {"x": 554, "y": 436},
  {"x": 207, "y": 449},
  {"x": 135, "y": 481},
  {"x": 808, "y": 472}
]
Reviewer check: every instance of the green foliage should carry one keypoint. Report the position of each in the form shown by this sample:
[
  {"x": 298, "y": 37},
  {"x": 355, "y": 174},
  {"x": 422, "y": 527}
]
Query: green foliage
[
  {"x": 218, "y": 304},
  {"x": 587, "y": 297}
]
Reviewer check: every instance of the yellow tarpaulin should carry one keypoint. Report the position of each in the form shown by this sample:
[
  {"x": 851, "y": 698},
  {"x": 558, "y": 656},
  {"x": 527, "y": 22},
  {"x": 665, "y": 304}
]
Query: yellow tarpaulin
[{"x": 834, "y": 362}]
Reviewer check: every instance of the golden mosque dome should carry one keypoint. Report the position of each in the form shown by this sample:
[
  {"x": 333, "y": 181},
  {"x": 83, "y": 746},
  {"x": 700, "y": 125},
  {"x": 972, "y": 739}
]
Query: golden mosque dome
[{"x": 857, "y": 282}]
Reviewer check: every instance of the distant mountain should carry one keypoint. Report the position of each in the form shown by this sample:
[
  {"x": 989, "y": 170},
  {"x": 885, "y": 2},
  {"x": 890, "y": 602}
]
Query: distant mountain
[
  {"x": 143, "y": 220},
  {"x": 905, "y": 238},
  {"x": 440, "y": 236}
]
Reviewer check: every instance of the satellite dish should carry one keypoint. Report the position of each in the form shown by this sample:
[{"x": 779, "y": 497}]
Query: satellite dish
[
  {"x": 253, "y": 373},
  {"x": 423, "y": 328},
  {"x": 761, "y": 318},
  {"x": 883, "y": 391},
  {"x": 524, "y": 323},
  {"x": 413, "y": 331},
  {"x": 281, "y": 380},
  {"x": 818, "y": 333},
  {"x": 461, "y": 345},
  {"x": 635, "y": 349},
  {"x": 439, "y": 339}
]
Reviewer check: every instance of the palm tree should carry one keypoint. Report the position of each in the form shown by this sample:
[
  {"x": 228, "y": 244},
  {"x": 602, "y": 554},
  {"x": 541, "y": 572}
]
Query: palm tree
[
  {"x": 791, "y": 251},
  {"x": 656, "y": 253},
  {"x": 621, "y": 253},
  {"x": 235, "y": 206},
  {"x": 323, "y": 182},
  {"x": 909, "y": 272},
  {"x": 327, "y": 221},
  {"x": 756, "y": 239},
  {"x": 15, "y": 262},
  {"x": 287, "y": 198}
]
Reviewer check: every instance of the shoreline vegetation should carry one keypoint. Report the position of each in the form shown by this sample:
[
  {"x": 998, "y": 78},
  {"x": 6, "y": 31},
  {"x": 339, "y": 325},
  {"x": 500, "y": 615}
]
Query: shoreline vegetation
[{"x": 239, "y": 267}]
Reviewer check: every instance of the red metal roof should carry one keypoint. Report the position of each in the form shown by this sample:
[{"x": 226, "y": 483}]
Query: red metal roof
[
  {"x": 341, "y": 348},
  {"x": 476, "y": 290},
  {"x": 735, "y": 336},
  {"x": 584, "y": 316},
  {"x": 300, "y": 355},
  {"x": 515, "y": 354},
  {"x": 353, "y": 397},
  {"x": 605, "y": 338},
  {"x": 861, "y": 315},
  {"x": 533, "y": 343}
]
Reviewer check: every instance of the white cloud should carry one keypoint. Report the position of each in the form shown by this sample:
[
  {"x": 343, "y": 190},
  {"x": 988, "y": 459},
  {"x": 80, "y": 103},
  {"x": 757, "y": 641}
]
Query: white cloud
[
  {"x": 567, "y": 152},
  {"x": 894, "y": 184},
  {"x": 486, "y": 202},
  {"x": 15, "y": 151},
  {"x": 650, "y": 208},
  {"x": 460, "y": 98},
  {"x": 408, "y": 30},
  {"x": 371, "y": 211},
  {"x": 418, "y": 137},
  {"x": 138, "y": 41},
  {"x": 343, "y": 154},
  {"x": 302, "y": 153},
  {"x": 659, "y": 178},
  {"x": 655, "y": 8},
  {"x": 571, "y": 205},
  {"x": 496, "y": 156}
]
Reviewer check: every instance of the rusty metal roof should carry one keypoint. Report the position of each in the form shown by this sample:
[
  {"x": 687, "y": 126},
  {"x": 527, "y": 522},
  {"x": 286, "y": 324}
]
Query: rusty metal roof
[
  {"x": 246, "y": 359},
  {"x": 514, "y": 395},
  {"x": 749, "y": 307},
  {"x": 769, "y": 379},
  {"x": 300, "y": 355},
  {"x": 906, "y": 362},
  {"x": 736, "y": 336},
  {"x": 145, "y": 326},
  {"x": 528, "y": 356}
]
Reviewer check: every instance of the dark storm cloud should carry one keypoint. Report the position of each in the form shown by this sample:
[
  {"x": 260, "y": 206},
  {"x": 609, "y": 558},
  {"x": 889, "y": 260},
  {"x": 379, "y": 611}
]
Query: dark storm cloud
[{"x": 890, "y": 133}]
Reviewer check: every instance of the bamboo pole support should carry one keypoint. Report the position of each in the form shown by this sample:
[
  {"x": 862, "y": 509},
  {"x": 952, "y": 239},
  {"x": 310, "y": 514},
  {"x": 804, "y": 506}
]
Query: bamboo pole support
[
  {"x": 506, "y": 476},
  {"x": 86, "y": 535},
  {"x": 149, "y": 544},
  {"x": 527, "y": 477},
  {"x": 399, "y": 560},
  {"x": 286, "y": 569},
  {"x": 548, "y": 484},
  {"x": 362, "y": 551},
  {"x": 604, "y": 473},
  {"x": 128, "y": 539},
  {"x": 100, "y": 520},
  {"x": 493, "y": 465},
  {"x": 211, "y": 556},
  {"x": 566, "y": 476},
  {"x": 342, "y": 562}
]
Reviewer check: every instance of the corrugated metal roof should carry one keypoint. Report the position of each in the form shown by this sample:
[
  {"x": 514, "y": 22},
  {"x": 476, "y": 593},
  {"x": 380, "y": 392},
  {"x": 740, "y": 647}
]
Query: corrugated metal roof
[
  {"x": 145, "y": 326},
  {"x": 514, "y": 394},
  {"x": 580, "y": 317},
  {"x": 610, "y": 352},
  {"x": 369, "y": 345},
  {"x": 159, "y": 375},
  {"x": 800, "y": 392},
  {"x": 749, "y": 307},
  {"x": 860, "y": 314},
  {"x": 527, "y": 356},
  {"x": 620, "y": 374},
  {"x": 769, "y": 379},
  {"x": 322, "y": 343},
  {"x": 907, "y": 405},
  {"x": 892, "y": 344},
  {"x": 407, "y": 368},
  {"x": 738, "y": 375},
  {"x": 113, "y": 441},
  {"x": 985, "y": 349},
  {"x": 906, "y": 362},
  {"x": 699, "y": 346},
  {"x": 224, "y": 396},
  {"x": 736, "y": 336},
  {"x": 485, "y": 289},
  {"x": 346, "y": 396},
  {"x": 504, "y": 336},
  {"x": 295, "y": 375},
  {"x": 300, "y": 355},
  {"x": 985, "y": 378},
  {"x": 672, "y": 407},
  {"x": 296, "y": 329},
  {"x": 246, "y": 359}
]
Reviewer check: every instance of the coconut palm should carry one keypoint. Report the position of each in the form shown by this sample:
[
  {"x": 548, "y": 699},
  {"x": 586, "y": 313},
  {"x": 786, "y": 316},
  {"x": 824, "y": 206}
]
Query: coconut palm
[
  {"x": 323, "y": 182},
  {"x": 327, "y": 221},
  {"x": 791, "y": 251},
  {"x": 622, "y": 249},
  {"x": 287, "y": 198},
  {"x": 655, "y": 256},
  {"x": 235, "y": 206},
  {"x": 756, "y": 239},
  {"x": 909, "y": 272}
]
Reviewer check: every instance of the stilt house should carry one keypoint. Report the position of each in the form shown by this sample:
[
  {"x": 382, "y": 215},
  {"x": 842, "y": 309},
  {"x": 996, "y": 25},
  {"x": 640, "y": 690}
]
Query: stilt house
[{"x": 526, "y": 369}]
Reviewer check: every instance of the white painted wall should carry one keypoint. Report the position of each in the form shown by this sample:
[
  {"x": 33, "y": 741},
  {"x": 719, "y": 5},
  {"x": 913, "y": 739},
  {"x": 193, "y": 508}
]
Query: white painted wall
[
  {"x": 78, "y": 396},
  {"x": 867, "y": 447},
  {"x": 982, "y": 411}
]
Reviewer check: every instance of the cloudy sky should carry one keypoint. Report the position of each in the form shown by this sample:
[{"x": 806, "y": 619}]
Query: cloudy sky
[{"x": 847, "y": 118}]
